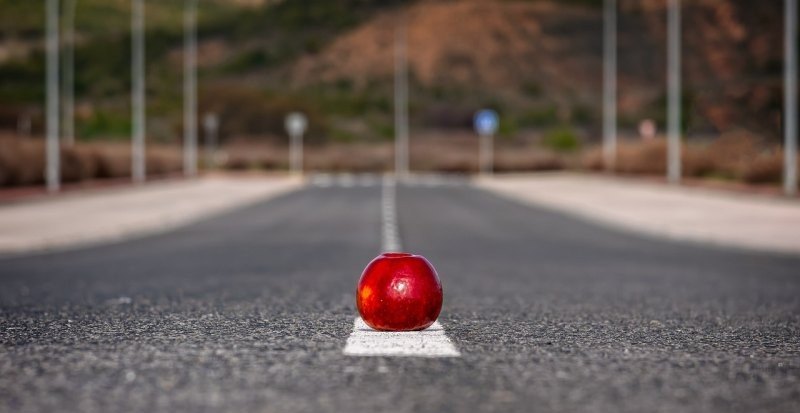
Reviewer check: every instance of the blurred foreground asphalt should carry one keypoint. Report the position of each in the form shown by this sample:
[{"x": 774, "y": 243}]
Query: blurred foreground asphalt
[{"x": 250, "y": 310}]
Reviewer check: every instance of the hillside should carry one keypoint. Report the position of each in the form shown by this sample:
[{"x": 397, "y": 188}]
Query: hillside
[
  {"x": 538, "y": 62},
  {"x": 545, "y": 53}
]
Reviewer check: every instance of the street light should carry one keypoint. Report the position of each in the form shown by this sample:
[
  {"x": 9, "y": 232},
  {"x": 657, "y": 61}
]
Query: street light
[
  {"x": 610, "y": 85},
  {"x": 138, "y": 164},
  {"x": 211, "y": 126},
  {"x": 190, "y": 89},
  {"x": 52, "y": 150},
  {"x": 790, "y": 98},
  {"x": 296, "y": 125},
  {"x": 68, "y": 87},
  {"x": 674, "y": 91},
  {"x": 401, "y": 101}
]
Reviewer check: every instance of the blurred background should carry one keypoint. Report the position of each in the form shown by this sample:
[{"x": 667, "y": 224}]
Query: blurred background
[{"x": 538, "y": 63}]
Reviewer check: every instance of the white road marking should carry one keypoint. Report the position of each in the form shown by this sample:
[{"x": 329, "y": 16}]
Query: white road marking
[
  {"x": 390, "y": 238},
  {"x": 322, "y": 180},
  {"x": 364, "y": 341},
  {"x": 367, "y": 180},
  {"x": 431, "y": 342},
  {"x": 349, "y": 180}
]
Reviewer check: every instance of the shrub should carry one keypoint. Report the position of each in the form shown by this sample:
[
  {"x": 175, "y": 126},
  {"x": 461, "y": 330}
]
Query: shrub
[
  {"x": 766, "y": 168},
  {"x": 22, "y": 161},
  {"x": 562, "y": 139},
  {"x": 539, "y": 117}
]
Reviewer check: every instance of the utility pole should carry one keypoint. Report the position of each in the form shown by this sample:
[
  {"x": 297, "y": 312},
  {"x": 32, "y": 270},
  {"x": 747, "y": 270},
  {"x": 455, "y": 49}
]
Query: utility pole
[
  {"x": 610, "y": 85},
  {"x": 790, "y": 99},
  {"x": 138, "y": 165},
  {"x": 674, "y": 91},
  {"x": 68, "y": 87},
  {"x": 190, "y": 89},
  {"x": 401, "y": 101},
  {"x": 211, "y": 125},
  {"x": 52, "y": 149}
]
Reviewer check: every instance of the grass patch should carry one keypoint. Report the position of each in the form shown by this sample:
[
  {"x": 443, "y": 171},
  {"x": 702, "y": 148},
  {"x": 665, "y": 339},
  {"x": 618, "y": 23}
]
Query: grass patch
[{"x": 561, "y": 139}]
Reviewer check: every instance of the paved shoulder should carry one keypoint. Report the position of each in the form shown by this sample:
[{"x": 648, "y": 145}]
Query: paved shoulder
[
  {"x": 693, "y": 214},
  {"x": 246, "y": 311},
  {"x": 566, "y": 315},
  {"x": 74, "y": 220}
]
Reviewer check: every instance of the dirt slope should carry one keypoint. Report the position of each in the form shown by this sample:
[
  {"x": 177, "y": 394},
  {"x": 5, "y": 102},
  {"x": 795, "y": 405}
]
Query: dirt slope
[{"x": 732, "y": 55}]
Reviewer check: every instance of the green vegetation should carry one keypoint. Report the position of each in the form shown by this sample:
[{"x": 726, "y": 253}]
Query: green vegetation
[
  {"x": 105, "y": 124},
  {"x": 561, "y": 139},
  {"x": 247, "y": 60},
  {"x": 342, "y": 136},
  {"x": 383, "y": 128},
  {"x": 271, "y": 36},
  {"x": 103, "y": 17},
  {"x": 21, "y": 81},
  {"x": 583, "y": 3},
  {"x": 532, "y": 89},
  {"x": 539, "y": 117},
  {"x": 507, "y": 127}
]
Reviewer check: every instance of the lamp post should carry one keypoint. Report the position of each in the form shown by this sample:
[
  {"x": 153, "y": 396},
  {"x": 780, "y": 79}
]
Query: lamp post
[
  {"x": 401, "y": 101},
  {"x": 52, "y": 149},
  {"x": 138, "y": 164},
  {"x": 790, "y": 98},
  {"x": 190, "y": 89},
  {"x": 674, "y": 91},
  {"x": 68, "y": 87},
  {"x": 610, "y": 85}
]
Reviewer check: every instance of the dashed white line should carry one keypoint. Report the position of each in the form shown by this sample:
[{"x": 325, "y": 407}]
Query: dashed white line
[
  {"x": 349, "y": 180},
  {"x": 322, "y": 180},
  {"x": 390, "y": 238},
  {"x": 364, "y": 341},
  {"x": 431, "y": 342}
]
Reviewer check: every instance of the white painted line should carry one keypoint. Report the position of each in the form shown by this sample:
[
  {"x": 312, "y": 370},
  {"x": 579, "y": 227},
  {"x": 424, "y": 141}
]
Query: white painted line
[
  {"x": 367, "y": 180},
  {"x": 431, "y": 342},
  {"x": 322, "y": 180},
  {"x": 391, "y": 237},
  {"x": 347, "y": 180},
  {"x": 364, "y": 341}
]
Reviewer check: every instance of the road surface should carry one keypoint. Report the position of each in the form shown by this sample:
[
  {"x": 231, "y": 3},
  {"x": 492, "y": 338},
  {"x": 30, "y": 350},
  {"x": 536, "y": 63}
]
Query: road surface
[{"x": 251, "y": 310}]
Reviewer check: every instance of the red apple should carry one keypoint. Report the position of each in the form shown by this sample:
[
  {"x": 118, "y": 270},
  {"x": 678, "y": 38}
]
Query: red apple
[{"x": 399, "y": 292}]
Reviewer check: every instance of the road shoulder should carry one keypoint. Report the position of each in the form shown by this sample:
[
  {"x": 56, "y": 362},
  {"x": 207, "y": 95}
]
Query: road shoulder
[
  {"x": 751, "y": 222},
  {"x": 104, "y": 216}
]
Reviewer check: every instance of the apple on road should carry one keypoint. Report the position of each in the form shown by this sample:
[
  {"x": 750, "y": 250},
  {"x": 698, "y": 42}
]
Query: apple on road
[{"x": 399, "y": 292}]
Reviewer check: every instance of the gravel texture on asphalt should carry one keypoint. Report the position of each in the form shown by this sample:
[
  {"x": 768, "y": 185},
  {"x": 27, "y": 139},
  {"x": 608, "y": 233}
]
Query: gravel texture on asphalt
[{"x": 250, "y": 310}]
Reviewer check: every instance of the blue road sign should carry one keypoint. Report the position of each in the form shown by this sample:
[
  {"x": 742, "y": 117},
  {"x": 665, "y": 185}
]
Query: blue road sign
[{"x": 486, "y": 122}]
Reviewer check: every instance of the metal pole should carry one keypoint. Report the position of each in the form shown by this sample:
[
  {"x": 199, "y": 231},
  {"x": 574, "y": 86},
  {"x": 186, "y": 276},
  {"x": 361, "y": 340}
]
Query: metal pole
[
  {"x": 68, "y": 87},
  {"x": 486, "y": 154},
  {"x": 138, "y": 164},
  {"x": 296, "y": 155},
  {"x": 790, "y": 99},
  {"x": 190, "y": 90},
  {"x": 610, "y": 85},
  {"x": 52, "y": 149},
  {"x": 211, "y": 125},
  {"x": 401, "y": 101},
  {"x": 674, "y": 92}
]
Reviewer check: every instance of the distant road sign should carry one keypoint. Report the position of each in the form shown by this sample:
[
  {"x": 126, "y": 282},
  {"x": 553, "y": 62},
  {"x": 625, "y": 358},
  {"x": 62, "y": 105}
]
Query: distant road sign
[
  {"x": 486, "y": 122},
  {"x": 210, "y": 122},
  {"x": 296, "y": 124}
]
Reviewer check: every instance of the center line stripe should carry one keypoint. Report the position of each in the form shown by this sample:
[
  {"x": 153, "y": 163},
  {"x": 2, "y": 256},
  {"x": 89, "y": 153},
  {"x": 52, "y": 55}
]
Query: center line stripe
[
  {"x": 431, "y": 342},
  {"x": 364, "y": 341},
  {"x": 390, "y": 238}
]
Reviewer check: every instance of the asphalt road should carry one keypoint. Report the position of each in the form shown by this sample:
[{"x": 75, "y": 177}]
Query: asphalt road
[{"x": 250, "y": 311}]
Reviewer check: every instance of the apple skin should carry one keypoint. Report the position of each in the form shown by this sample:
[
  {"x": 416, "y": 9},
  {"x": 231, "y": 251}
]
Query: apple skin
[{"x": 399, "y": 292}]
